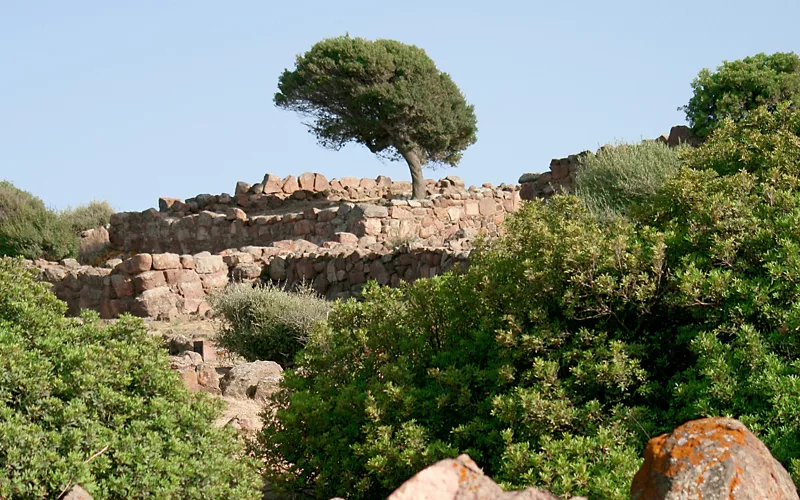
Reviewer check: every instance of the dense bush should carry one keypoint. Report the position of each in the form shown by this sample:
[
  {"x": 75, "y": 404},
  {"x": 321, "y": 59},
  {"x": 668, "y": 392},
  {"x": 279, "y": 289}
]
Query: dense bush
[
  {"x": 569, "y": 342},
  {"x": 83, "y": 217},
  {"x": 266, "y": 322},
  {"x": 98, "y": 406},
  {"x": 29, "y": 229},
  {"x": 616, "y": 177},
  {"x": 739, "y": 87}
]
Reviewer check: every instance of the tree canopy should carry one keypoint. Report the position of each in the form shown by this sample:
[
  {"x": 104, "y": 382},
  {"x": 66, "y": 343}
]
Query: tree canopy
[
  {"x": 738, "y": 87},
  {"x": 383, "y": 94}
]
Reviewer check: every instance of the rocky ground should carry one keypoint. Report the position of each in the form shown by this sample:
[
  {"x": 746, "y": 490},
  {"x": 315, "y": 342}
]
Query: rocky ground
[{"x": 203, "y": 366}]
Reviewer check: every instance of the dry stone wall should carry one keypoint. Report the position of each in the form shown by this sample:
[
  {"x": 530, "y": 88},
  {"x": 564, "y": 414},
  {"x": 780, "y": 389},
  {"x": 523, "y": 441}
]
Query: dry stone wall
[
  {"x": 452, "y": 218},
  {"x": 165, "y": 284}
]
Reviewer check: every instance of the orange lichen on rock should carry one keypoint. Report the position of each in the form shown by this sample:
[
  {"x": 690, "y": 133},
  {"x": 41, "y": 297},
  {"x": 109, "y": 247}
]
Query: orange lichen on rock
[{"x": 712, "y": 458}]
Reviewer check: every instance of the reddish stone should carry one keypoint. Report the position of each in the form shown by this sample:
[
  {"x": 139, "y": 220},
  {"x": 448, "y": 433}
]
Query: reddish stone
[
  {"x": 234, "y": 213},
  {"x": 346, "y": 238},
  {"x": 192, "y": 289},
  {"x": 123, "y": 285},
  {"x": 214, "y": 281},
  {"x": 289, "y": 184},
  {"x": 118, "y": 307},
  {"x": 487, "y": 206},
  {"x": 711, "y": 458},
  {"x": 335, "y": 185},
  {"x": 306, "y": 181},
  {"x": 400, "y": 213},
  {"x": 383, "y": 181},
  {"x": 139, "y": 263},
  {"x": 166, "y": 261},
  {"x": 149, "y": 280},
  {"x": 272, "y": 184},
  {"x": 303, "y": 227},
  {"x": 187, "y": 261},
  {"x": 166, "y": 204},
  {"x": 320, "y": 182},
  {"x": 367, "y": 183},
  {"x": 559, "y": 170}
]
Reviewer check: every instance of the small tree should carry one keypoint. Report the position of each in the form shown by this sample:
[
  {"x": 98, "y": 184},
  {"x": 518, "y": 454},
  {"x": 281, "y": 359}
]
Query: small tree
[
  {"x": 740, "y": 86},
  {"x": 383, "y": 94}
]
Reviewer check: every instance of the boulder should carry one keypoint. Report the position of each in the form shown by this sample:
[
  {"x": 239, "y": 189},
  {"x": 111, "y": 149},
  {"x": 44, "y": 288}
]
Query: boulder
[
  {"x": 76, "y": 493},
  {"x": 177, "y": 344},
  {"x": 242, "y": 380},
  {"x": 158, "y": 303},
  {"x": 165, "y": 204},
  {"x": 241, "y": 188},
  {"x": 712, "y": 459},
  {"x": 306, "y": 181},
  {"x": 272, "y": 184},
  {"x": 460, "y": 479},
  {"x": 290, "y": 185},
  {"x": 246, "y": 271},
  {"x": 235, "y": 213}
]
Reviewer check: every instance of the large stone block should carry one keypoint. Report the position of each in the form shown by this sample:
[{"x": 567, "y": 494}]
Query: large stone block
[
  {"x": 149, "y": 280},
  {"x": 306, "y": 181},
  {"x": 123, "y": 285},
  {"x": 214, "y": 281},
  {"x": 166, "y": 261},
  {"x": 272, "y": 184},
  {"x": 712, "y": 459},
  {"x": 205, "y": 263},
  {"x": 158, "y": 303},
  {"x": 139, "y": 263}
]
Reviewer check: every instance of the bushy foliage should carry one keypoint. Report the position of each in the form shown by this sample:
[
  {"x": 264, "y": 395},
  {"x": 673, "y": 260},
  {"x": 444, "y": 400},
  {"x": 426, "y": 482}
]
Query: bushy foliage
[
  {"x": 99, "y": 406},
  {"x": 266, "y": 322},
  {"x": 570, "y": 341},
  {"x": 615, "y": 178},
  {"x": 90, "y": 216},
  {"x": 739, "y": 87},
  {"x": 29, "y": 229}
]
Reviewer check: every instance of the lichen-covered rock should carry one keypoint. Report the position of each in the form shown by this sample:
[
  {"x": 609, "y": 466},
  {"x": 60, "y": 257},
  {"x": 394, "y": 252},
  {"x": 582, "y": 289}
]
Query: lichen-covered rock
[
  {"x": 710, "y": 459},
  {"x": 460, "y": 479}
]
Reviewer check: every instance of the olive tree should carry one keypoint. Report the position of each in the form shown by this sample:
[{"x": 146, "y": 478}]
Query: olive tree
[
  {"x": 738, "y": 87},
  {"x": 383, "y": 94}
]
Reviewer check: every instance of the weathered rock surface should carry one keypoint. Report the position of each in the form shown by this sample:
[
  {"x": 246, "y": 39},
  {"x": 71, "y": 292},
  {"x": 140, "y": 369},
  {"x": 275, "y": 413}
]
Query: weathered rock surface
[
  {"x": 460, "y": 479},
  {"x": 242, "y": 381},
  {"x": 710, "y": 459},
  {"x": 76, "y": 493}
]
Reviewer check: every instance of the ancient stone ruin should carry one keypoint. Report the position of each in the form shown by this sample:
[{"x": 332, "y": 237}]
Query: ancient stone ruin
[{"x": 334, "y": 235}]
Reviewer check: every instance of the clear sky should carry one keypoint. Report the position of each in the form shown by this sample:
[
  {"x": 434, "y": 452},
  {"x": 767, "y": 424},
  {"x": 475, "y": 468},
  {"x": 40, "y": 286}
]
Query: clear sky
[{"x": 129, "y": 101}]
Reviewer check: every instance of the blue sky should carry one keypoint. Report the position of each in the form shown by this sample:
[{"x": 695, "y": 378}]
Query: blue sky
[{"x": 129, "y": 101}]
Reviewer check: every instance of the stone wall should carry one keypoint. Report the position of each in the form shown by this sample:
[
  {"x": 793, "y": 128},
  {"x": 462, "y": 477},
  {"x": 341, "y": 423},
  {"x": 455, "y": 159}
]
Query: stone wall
[
  {"x": 166, "y": 284},
  {"x": 452, "y": 218}
]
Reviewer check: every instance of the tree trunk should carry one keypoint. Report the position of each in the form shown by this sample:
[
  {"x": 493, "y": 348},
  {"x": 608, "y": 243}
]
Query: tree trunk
[{"x": 417, "y": 179}]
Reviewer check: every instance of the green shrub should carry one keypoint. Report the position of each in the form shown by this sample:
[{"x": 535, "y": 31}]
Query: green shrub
[
  {"x": 83, "y": 217},
  {"x": 28, "y": 229},
  {"x": 99, "y": 406},
  {"x": 738, "y": 87},
  {"x": 615, "y": 178},
  {"x": 266, "y": 322},
  {"x": 570, "y": 341}
]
